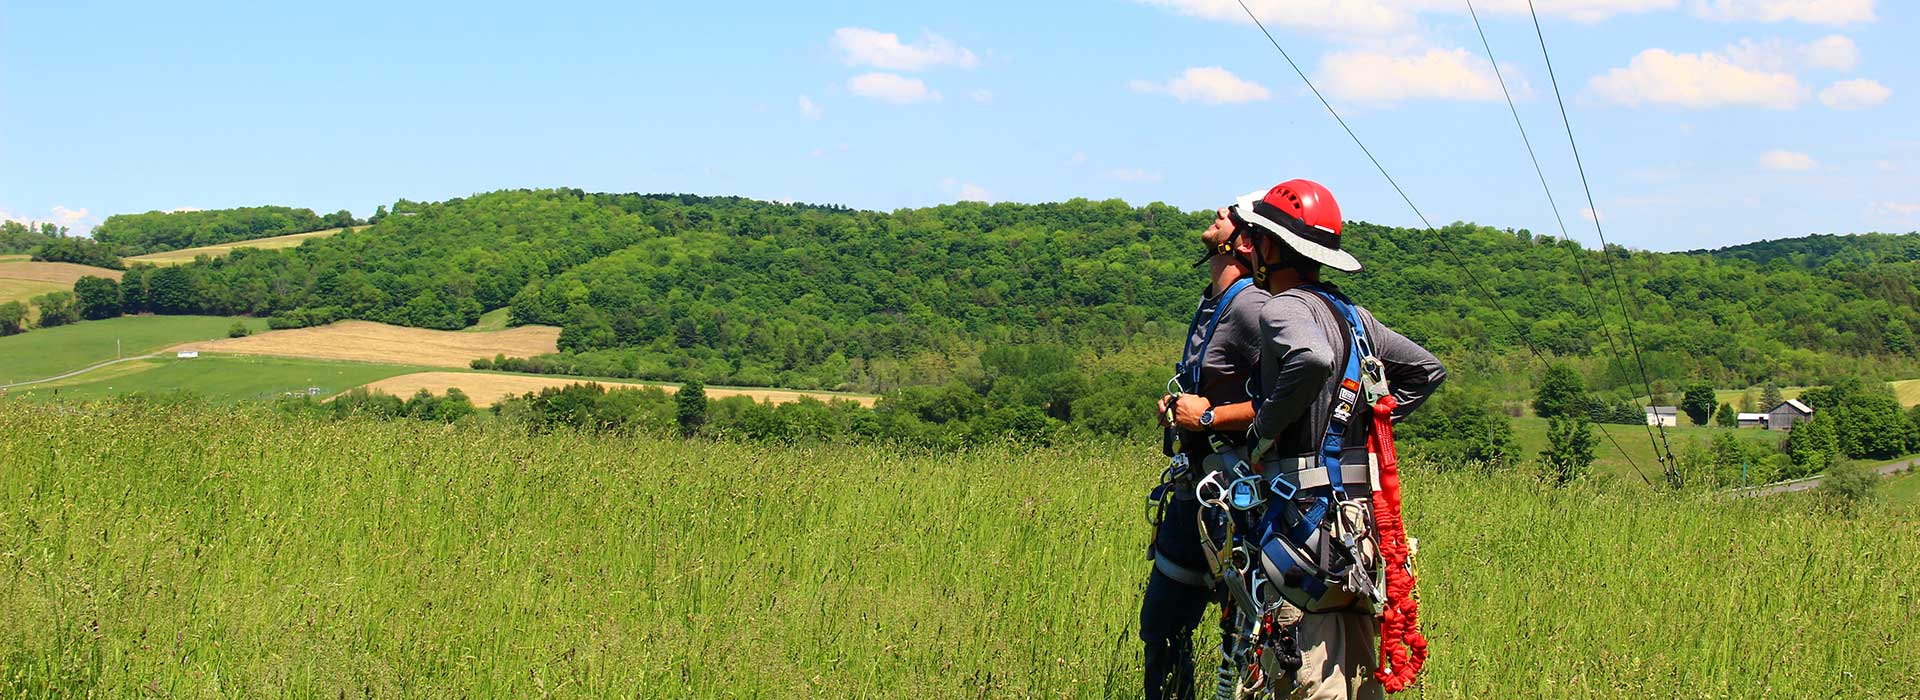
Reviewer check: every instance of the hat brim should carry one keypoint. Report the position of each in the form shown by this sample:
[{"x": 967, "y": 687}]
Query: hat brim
[{"x": 1331, "y": 257}]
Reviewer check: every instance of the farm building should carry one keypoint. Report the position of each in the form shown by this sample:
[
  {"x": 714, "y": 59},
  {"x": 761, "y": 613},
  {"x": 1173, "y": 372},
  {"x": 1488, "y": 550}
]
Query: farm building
[
  {"x": 187, "y": 354},
  {"x": 1752, "y": 420},
  {"x": 1668, "y": 416},
  {"x": 1783, "y": 416}
]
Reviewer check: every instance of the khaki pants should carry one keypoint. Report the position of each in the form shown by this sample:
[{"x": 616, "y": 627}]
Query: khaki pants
[{"x": 1337, "y": 653}]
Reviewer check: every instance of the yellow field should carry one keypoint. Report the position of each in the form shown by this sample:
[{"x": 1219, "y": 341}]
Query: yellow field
[
  {"x": 365, "y": 341},
  {"x": 61, "y": 273},
  {"x": 186, "y": 255},
  {"x": 489, "y": 389},
  {"x": 23, "y": 290},
  {"x": 1909, "y": 391}
]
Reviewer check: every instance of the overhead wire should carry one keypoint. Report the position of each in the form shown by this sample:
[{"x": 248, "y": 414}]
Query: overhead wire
[
  {"x": 1440, "y": 239},
  {"x": 1579, "y": 264},
  {"x": 1666, "y": 457}
]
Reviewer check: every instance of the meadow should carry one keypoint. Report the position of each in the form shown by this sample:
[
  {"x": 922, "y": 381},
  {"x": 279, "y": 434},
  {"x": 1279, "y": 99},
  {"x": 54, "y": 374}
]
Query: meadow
[
  {"x": 1608, "y": 460},
  {"x": 187, "y": 255},
  {"x": 45, "y": 352},
  {"x": 206, "y": 552},
  {"x": 219, "y": 378}
]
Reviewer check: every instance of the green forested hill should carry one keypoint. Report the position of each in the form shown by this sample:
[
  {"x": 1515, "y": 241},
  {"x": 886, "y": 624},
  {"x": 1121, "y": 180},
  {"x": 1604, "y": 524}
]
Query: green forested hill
[
  {"x": 749, "y": 292},
  {"x": 159, "y": 231}
]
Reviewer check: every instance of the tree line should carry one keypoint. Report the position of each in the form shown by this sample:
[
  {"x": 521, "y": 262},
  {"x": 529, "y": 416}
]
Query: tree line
[{"x": 160, "y": 231}]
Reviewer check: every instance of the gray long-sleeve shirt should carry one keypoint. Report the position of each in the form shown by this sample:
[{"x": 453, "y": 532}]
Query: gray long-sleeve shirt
[{"x": 1302, "y": 358}]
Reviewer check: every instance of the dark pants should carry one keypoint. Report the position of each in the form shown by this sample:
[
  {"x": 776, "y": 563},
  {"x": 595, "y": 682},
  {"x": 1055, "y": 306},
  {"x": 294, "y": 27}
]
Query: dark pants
[{"x": 1170, "y": 611}]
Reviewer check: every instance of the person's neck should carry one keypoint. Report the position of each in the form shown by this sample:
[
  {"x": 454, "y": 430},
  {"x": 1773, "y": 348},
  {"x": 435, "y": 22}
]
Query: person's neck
[
  {"x": 1286, "y": 278},
  {"x": 1224, "y": 272}
]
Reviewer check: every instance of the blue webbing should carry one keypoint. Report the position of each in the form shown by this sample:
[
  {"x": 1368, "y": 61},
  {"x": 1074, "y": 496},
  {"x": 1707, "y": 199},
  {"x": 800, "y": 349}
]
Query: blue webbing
[{"x": 1191, "y": 360}]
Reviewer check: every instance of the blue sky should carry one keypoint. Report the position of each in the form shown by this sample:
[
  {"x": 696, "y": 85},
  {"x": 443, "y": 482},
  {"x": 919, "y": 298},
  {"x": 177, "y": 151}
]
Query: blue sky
[{"x": 1703, "y": 122}]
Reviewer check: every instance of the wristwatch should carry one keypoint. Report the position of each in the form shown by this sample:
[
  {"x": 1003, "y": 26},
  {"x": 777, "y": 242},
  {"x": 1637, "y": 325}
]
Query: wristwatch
[{"x": 1206, "y": 419}]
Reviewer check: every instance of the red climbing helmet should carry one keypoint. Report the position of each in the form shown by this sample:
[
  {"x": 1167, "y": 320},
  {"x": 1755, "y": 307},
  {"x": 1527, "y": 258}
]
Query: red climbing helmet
[{"x": 1302, "y": 214}]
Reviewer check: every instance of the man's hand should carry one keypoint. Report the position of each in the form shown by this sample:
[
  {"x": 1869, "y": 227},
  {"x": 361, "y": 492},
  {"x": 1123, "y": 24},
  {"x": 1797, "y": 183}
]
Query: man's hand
[
  {"x": 1187, "y": 409},
  {"x": 1162, "y": 413}
]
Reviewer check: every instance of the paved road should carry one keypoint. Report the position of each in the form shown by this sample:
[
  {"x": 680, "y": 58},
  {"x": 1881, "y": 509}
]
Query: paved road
[
  {"x": 1812, "y": 482},
  {"x": 78, "y": 372}
]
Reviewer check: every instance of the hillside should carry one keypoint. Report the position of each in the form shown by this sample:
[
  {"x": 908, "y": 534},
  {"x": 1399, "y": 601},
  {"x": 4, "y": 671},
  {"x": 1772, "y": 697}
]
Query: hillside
[
  {"x": 159, "y": 231},
  {"x": 756, "y": 293},
  {"x": 186, "y": 255}
]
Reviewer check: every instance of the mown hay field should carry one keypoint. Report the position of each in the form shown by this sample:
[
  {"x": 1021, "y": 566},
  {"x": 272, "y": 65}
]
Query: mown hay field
[
  {"x": 189, "y": 552},
  {"x": 366, "y": 341},
  {"x": 487, "y": 389},
  {"x": 60, "y": 273},
  {"x": 187, "y": 255}
]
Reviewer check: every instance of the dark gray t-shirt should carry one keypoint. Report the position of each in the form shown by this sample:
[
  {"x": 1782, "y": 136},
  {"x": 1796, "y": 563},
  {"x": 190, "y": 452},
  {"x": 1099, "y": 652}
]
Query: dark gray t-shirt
[
  {"x": 1232, "y": 360},
  {"x": 1303, "y": 355}
]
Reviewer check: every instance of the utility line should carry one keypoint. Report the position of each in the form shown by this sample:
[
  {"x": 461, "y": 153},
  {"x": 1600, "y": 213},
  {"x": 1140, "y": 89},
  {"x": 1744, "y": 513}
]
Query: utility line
[
  {"x": 1626, "y": 309},
  {"x": 1585, "y": 280},
  {"x": 1442, "y": 240}
]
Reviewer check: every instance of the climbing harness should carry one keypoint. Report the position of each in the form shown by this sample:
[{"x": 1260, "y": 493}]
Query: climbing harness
[{"x": 1186, "y": 380}]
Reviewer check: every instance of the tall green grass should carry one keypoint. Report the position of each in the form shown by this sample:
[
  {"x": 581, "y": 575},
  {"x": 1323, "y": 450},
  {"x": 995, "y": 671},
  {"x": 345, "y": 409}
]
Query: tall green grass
[{"x": 192, "y": 552}]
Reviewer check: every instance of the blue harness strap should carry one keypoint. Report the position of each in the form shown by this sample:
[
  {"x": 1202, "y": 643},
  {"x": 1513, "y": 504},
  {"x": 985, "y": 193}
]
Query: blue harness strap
[
  {"x": 1192, "y": 359},
  {"x": 1333, "y": 442}
]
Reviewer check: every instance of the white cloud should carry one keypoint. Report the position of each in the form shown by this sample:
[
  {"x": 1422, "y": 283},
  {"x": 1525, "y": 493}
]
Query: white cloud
[
  {"x": 1591, "y": 215},
  {"x": 888, "y": 87},
  {"x": 818, "y": 152},
  {"x": 1854, "y": 95},
  {"x": 1437, "y": 74},
  {"x": 1834, "y": 52},
  {"x": 1695, "y": 81},
  {"x": 1887, "y": 166},
  {"x": 981, "y": 96},
  {"x": 1904, "y": 213},
  {"x": 970, "y": 192},
  {"x": 8, "y": 216},
  {"x": 1809, "y": 11},
  {"x": 1787, "y": 161},
  {"x": 1132, "y": 175},
  {"x": 1078, "y": 158},
  {"x": 1365, "y": 16},
  {"x": 866, "y": 47},
  {"x": 1578, "y": 10},
  {"x": 1210, "y": 85},
  {"x": 809, "y": 110},
  {"x": 69, "y": 218}
]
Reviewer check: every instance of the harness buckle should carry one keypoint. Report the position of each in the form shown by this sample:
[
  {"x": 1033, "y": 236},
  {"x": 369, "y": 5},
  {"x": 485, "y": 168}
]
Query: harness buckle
[
  {"x": 1373, "y": 379},
  {"x": 1276, "y": 484}
]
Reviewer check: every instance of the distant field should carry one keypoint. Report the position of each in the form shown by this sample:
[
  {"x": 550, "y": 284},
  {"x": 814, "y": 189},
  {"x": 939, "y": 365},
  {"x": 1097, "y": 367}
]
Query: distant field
[
  {"x": 15, "y": 258},
  {"x": 61, "y": 273},
  {"x": 364, "y": 341},
  {"x": 1532, "y": 434},
  {"x": 1908, "y": 391},
  {"x": 218, "y": 378},
  {"x": 46, "y": 352},
  {"x": 487, "y": 389},
  {"x": 187, "y": 255},
  {"x": 25, "y": 290},
  {"x": 495, "y": 320}
]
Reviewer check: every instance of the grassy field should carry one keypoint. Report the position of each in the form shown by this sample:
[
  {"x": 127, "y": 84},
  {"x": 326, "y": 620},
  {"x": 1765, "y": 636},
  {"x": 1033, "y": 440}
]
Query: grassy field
[
  {"x": 366, "y": 341},
  {"x": 187, "y": 255},
  {"x": 25, "y": 290},
  {"x": 183, "y": 552},
  {"x": 1532, "y": 434},
  {"x": 489, "y": 388},
  {"x": 43, "y": 353},
  {"x": 17, "y": 257},
  {"x": 61, "y": 273},
  {"x": 1902, "y": 488},
  {"x": 495, "y": 320},
  {"x": 219, "y": 378}
]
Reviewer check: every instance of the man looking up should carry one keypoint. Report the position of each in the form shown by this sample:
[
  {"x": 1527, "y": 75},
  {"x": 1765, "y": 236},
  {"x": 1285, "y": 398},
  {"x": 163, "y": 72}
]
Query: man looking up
[
  {"x": 1220, "y": 357},
  {"x": 1312, "y": 416}
]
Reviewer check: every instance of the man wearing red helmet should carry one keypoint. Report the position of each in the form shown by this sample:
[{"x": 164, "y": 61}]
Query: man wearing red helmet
[{"x": 1311, "y": 425}]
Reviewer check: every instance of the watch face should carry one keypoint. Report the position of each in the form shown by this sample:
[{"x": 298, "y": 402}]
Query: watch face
[{"x": 1206, "y": 418}]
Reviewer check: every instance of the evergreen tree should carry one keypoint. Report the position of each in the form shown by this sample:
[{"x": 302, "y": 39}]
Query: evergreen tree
[
  {"x": 1569, "y": 452},
  {"x": 1726, "y": 418},
  {"x": 1770, "y": 397},
  {"x": 690, "y": 407}
]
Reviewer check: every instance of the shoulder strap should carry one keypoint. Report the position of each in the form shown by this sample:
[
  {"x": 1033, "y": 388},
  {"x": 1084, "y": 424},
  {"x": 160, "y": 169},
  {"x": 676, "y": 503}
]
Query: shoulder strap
[
  {"x": 1347, "y": 396},
  {"x": 1192, "y": 360}
]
